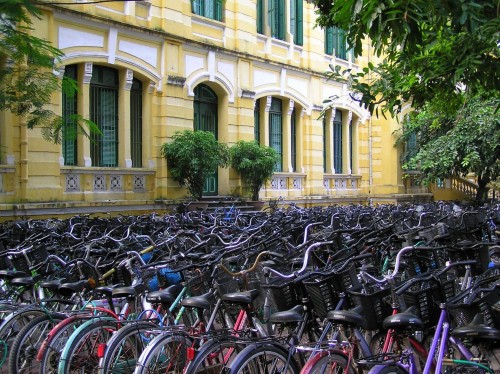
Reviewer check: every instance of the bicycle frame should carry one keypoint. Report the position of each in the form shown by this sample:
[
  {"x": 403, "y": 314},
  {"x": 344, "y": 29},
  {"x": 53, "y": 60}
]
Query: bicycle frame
[{"x": 442, "y": 335}]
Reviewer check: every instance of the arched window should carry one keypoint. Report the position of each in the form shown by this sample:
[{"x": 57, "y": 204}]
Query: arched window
[{"x": 205, "y": 119}]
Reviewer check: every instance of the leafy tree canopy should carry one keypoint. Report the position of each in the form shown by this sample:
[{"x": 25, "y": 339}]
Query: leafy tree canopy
[
  {"x": 192, "y": 156},
  {"x": 456, "y": 143},
  {"x": 255, "y": 163},
  {"x": 27, "y": 80},
  {"x": 430, "y": 48}
]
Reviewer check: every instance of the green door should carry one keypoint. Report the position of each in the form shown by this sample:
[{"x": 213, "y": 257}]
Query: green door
[{"x": 205, "y": 119}]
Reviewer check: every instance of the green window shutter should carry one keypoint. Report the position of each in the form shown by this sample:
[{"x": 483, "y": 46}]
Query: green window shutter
[
  {"x": 350, "y": 147},
  {"x": 109, "y": 128},
  {"x": 324, "y": 146},
  {"x": 276, "y": 17},
  {"x": 297, "y": 21},
  {"x": 256, "y": 121},
  {"x": 341, "y": 48},
  {"x": 300, "y": 23},
  {"x": 136, "y": 123},
  {"x": 104, "y": 112},
  {"x": 275, "y": 131},
  {"x": 218, "y": 10},
  {"x": 281, "y": 20},
  {"x": 196, "y": 6},
  {"x": 272, "y": 15},
  {"x": 209, "y": 9},
  {"x": 293, "y": 138},
  {"x": 337, "y": 142},
  {"x": 69, "y": 132},
  {"x": 260, "y": 16},
  {"x": 329, "y": 40}
]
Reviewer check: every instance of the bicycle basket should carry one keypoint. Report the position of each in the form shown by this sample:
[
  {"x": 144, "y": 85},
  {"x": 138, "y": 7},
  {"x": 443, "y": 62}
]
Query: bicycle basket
[
  {"x": 484, "y": 298},
  {"x": 488, "y": 305},
  {"x": 34, "y": 256},
  {"x": 197, "y": 283},
  {"x": 283, "y": 293},
  {"x": 425, "y": 296},
  {"x": 226, "y": 283},
  {"x": 466, "y": 250},
  {"x": 375, "y": 308},
  {"x": 324, "y": 290}
]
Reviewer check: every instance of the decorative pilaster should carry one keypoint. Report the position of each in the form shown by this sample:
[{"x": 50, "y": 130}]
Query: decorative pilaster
[
  {"x": 129, "y": 79},
  {"x": 87, "y": 72}
]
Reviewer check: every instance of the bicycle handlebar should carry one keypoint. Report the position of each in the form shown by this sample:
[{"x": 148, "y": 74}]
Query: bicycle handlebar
[
  {"x": 304, "y": 265},
  {"x": 332, "y": 270},
  {"x": 249, "y": 270},
  {"x": 432, "y": 276}
]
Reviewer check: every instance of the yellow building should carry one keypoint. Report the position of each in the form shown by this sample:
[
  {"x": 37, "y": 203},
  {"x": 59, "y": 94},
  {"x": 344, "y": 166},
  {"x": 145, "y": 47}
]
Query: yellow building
[{"x": 244, "y": 69}]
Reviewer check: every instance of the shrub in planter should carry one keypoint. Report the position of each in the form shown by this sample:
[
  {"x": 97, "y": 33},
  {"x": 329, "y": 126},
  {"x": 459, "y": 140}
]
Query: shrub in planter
[
  {"x": 192, "y": 156},
  {"x": 255, "y": 164}
]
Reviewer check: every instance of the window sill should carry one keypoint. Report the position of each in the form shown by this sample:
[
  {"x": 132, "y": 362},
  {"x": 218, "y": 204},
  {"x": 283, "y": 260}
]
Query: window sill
[
  {"x": 103, "y": 170},
  {"x": 206, "y": 21}
]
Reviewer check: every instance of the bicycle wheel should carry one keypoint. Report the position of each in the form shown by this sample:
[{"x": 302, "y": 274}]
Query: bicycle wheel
[
  {"x": 13, "y": 324},
  {"x": 167, "y": 353},
  {"x": 80, "y": 353},
  {"x": 377, "y": 342},
  {"x": 214, "y": 356},
  {"x": 125, "y": 347},
  {"x": 22, "y": 355},
  {"x": 267, "y": 358},
  {"x": 49, "y": 353},
  {"x": 328, "y": 362}
]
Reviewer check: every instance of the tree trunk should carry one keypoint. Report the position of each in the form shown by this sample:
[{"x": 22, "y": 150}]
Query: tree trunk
[{"x": 482, "y": 189}]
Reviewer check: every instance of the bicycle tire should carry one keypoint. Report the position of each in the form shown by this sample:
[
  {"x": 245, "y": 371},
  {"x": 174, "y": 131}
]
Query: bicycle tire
[
  {"x": 22, "y": 353},
  {"x": 166, "y": 353},
  {"x": 80, "y": 353},
  {"x": 13, "y": 324},
  {"x": 377, "y": 342},
  {"x": 55, "y": 343},
  {"x": 125, "y": 347},
  {"x": 328, "y": 362},
  {"x": 211, "y": 357},
  {"x": 266, "y": 357}
]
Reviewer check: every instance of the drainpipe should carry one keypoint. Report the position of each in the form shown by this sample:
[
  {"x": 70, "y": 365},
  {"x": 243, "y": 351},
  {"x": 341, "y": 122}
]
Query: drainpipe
[
  {"x": 23, "y": 159},
  {"x": 370, "y": 143}
]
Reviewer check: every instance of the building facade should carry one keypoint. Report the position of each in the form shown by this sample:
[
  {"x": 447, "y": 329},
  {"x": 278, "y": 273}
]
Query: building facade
[{"x": 243, "y": 69}]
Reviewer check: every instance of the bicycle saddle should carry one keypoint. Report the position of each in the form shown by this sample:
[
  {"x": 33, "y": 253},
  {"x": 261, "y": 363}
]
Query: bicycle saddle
[
  {"x": 477, "y": 329},
  {"x": 404, "y": 320},
  {"x": 350, "y": 317},
  {"x": 288, "y": 316},
  {"x": 168, "y": 295},
  {"x": 203, "y": 301},
  {"x": 245, "y": 297}
]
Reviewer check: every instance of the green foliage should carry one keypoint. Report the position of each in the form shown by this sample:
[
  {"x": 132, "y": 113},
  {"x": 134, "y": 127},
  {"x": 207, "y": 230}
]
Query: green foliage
[
  {"x": 457, "y": 143},
  {"x": 255, "y": 164},
  {"x": 431, "y": 48},
  {"x": 26, "y": 77},
  {"x": 192, "y": 156}
]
